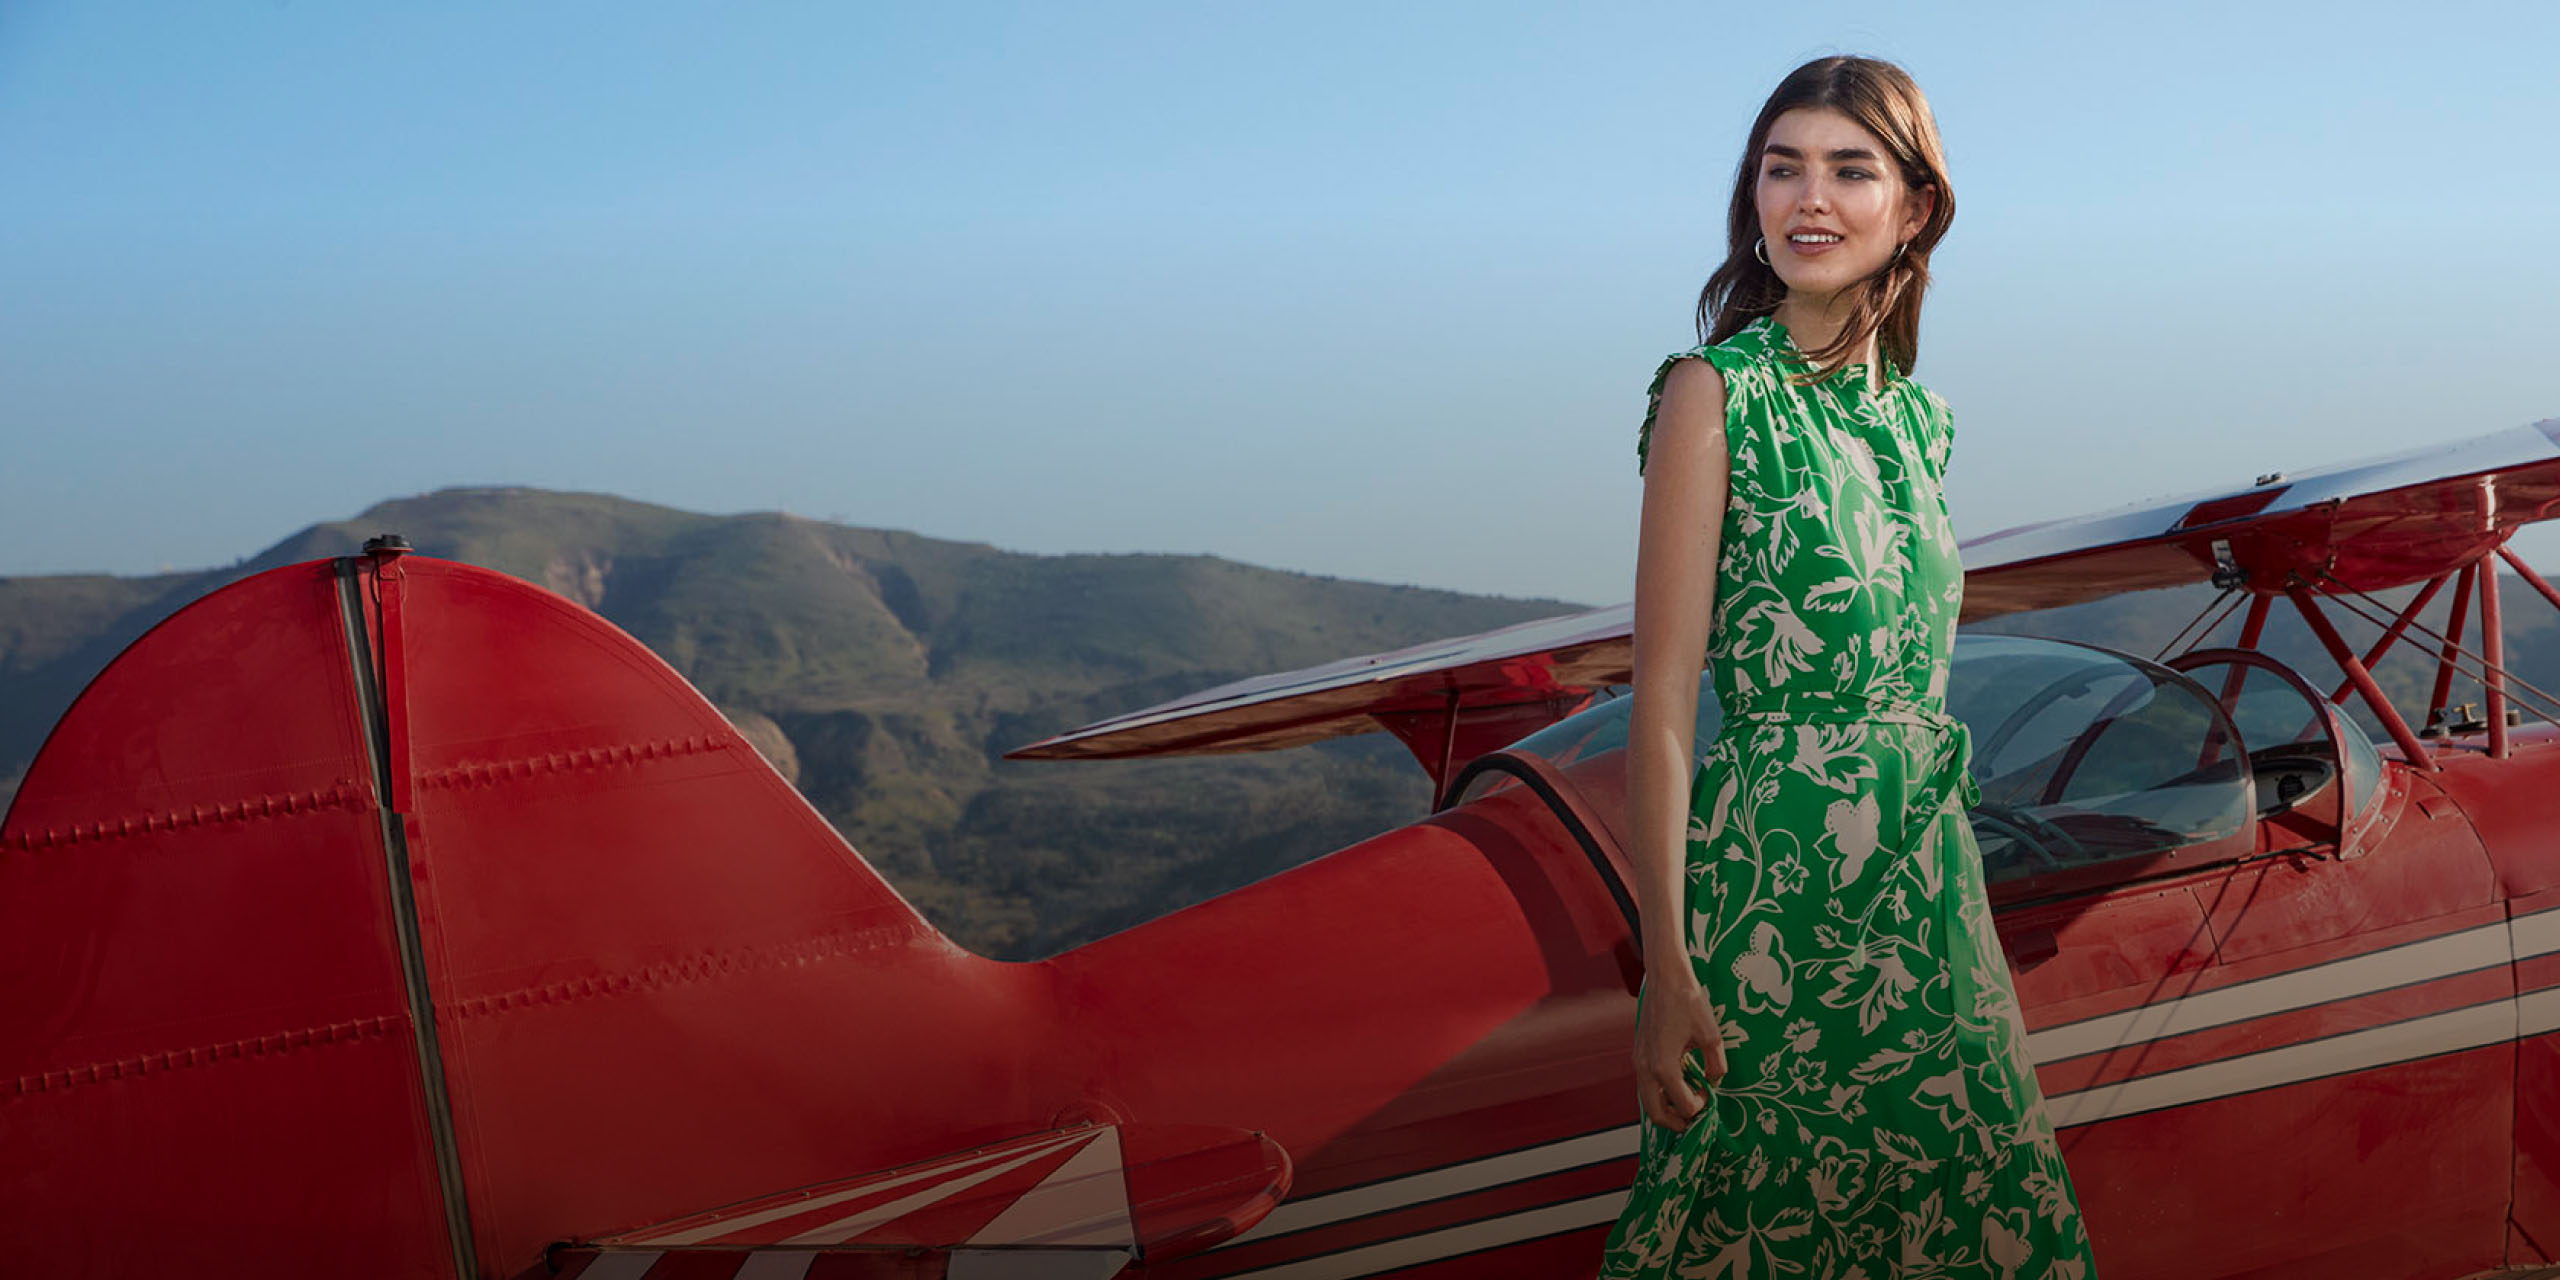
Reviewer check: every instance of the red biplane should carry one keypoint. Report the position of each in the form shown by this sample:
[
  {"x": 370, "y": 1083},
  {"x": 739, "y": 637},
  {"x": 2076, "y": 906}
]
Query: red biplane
[{"x": 388, "y": 916}]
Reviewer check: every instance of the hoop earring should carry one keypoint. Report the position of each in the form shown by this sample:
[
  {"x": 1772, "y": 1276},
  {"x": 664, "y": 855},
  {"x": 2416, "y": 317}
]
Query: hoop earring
[
  {"x": 1760, "y": 250},
  {"x": 1901, "y": 249}
]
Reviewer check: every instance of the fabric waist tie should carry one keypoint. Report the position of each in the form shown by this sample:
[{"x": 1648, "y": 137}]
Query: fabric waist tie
[{"x": 1948, "y": 774}]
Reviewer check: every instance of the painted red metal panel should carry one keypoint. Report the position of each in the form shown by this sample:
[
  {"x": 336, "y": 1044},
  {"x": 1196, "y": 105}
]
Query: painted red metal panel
[
  {"x": 663, "y": 982},
  {"x": 206, "y": 1059},
  {"x": 2127, "y": 944},
  {"x": 2514, "y": 809},
  {"x": 2232, "y": 1177},
  {"x": 2233, "y": 971},
  {"x": 2424, "y": 870},
  {"x": 2535, "y": 1222},
  {"x": 1435, "y": 973},
  {"x": 2537, "y": 1168}
]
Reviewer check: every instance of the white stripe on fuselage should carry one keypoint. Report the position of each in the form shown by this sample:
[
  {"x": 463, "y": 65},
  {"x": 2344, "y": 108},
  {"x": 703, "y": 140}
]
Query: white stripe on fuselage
[
  {"x": 2447, "y": 1031},
  {"x": 1443, "y": 1182},
  {"x": 2484, "y": 947},
  {"x": 2536, "y": 934},
  {"x": 2452, "y": 1030}
]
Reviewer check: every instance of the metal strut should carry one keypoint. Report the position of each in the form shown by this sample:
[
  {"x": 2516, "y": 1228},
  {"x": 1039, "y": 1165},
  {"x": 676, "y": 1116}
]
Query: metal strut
[
  {"x": 2391, "y": 635},
  {"x": 2493, "y": 657},
  {"x": 2410, "y": 748},
  {"x": 2443, "y": 694},
  {"x": 2548, "y": 707}
]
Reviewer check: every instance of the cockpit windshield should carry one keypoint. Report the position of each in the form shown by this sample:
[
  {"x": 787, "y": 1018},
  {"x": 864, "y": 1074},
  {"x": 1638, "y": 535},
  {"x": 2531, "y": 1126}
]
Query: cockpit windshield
[{"x": 2083, "y": 755}]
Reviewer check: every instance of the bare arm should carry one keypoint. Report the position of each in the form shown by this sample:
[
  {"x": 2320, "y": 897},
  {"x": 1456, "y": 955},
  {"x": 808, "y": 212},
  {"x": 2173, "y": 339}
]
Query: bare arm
[{"x": 1677, "y": 546}]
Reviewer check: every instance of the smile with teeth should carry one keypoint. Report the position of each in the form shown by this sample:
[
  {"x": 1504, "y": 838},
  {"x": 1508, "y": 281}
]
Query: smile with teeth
[{"x": 1814, "y": 237}]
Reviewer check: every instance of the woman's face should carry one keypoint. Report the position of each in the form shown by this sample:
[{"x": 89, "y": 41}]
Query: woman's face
[{"x": 1832, "y": 202}]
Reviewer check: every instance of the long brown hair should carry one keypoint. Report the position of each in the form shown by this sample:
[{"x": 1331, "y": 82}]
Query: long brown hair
[{"x": 1883, "y": 100}]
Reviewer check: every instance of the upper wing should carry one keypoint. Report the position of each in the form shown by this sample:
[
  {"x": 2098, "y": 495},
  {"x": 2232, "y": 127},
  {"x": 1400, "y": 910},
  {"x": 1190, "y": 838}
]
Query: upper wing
[
  {"x": 1529, "y": 664},
  {"x": 2361, "y": 526}
]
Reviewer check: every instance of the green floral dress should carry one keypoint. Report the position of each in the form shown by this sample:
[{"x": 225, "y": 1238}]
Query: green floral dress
[{"x": 1880, "y": 1116}]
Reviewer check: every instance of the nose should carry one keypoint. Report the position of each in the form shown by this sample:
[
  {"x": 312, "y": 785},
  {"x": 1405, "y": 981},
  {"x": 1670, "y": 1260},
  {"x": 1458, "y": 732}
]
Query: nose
[{"x": 1815, "y": 196}]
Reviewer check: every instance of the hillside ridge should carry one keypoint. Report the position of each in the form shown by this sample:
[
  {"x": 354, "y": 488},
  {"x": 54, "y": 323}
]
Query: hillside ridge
[{"x": 884, "y": 672}]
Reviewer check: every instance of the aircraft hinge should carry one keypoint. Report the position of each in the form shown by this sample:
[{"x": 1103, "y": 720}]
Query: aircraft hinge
[{"x": 2227, "y": 573}]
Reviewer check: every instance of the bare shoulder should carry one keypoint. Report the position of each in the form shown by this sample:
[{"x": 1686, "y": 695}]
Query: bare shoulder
[
  {"x": 1694, "y": 386},
  {"x": 1686, "y": 407},
  {"x": 1690, "y": 418}
]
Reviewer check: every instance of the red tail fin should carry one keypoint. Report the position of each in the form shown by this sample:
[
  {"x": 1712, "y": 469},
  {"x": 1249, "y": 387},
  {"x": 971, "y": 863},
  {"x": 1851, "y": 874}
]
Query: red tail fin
[
  {"x": 197, "y": 955},
  {"x": 303, "y": 808}
]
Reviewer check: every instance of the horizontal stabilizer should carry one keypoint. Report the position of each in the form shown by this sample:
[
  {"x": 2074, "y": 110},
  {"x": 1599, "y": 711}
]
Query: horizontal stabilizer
[
  {"x": 580, "y": 1263},
  {"x": 1078, "y": 1204}
]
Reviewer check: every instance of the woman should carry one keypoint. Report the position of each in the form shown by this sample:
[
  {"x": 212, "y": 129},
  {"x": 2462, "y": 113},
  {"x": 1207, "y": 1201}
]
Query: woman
[{"x": 1829, "y": 1056}]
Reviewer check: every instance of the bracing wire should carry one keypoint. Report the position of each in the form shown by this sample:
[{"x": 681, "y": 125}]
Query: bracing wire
[
  {"x": 2228, "y": 600},
  {"x": 2513, "y": 682}
]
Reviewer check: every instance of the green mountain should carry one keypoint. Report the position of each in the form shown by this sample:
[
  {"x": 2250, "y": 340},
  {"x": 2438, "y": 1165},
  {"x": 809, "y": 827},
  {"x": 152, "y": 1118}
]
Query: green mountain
[{"x": 885, "y": 672}]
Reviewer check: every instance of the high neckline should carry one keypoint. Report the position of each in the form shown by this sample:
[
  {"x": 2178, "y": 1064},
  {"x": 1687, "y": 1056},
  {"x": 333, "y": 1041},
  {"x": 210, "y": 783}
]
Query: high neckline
[{"x": 1776, "y": 334}]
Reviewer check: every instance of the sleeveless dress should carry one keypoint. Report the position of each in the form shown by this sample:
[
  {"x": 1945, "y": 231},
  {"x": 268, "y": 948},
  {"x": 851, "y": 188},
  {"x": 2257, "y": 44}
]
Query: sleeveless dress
[{"x": 1880, "y": 1116}]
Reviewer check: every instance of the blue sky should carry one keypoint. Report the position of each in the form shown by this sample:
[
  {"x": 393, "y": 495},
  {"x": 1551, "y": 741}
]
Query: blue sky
[{"x": 1364, "y": 290}]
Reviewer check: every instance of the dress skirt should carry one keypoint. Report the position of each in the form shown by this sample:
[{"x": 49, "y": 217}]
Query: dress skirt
[{"x": 1880, "y": 1116}]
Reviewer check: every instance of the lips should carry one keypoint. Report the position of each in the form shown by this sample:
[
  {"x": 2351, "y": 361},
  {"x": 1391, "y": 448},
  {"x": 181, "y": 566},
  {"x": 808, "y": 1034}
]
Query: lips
[{"x": 1813, "y": 241}]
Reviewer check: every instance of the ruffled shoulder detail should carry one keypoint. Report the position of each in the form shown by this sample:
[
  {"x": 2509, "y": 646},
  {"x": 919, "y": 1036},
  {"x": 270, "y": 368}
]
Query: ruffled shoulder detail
[
  {"x": 1747, "y": 360},
  {"x": 1653, "y": 402}
]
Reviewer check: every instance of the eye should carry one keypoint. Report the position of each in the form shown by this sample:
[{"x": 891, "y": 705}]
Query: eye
[
  {"x": 1855, "y": 172},
  {"x": 1779, "y": 171}
]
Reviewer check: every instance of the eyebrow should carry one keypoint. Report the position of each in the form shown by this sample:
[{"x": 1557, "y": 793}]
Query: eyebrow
[{"x": 1837, "y": 153}]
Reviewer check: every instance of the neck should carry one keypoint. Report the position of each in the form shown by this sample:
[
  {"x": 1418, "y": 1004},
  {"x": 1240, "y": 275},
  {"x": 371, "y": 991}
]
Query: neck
[{"x": 1814, "y": 321}]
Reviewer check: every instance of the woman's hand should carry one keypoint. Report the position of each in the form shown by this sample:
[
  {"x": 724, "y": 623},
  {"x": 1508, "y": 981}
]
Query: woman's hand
[{"x": 1676, "y": 1019}]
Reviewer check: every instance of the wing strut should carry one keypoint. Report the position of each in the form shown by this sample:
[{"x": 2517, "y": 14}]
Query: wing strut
[
  {"x": 2492, "y": 672},
  {"x": 2392, "y": 634},
  {"x": 2493, "y": 658},
  {"x": 2462, "y": 589},
  {"x": 2411, "y": 749}
]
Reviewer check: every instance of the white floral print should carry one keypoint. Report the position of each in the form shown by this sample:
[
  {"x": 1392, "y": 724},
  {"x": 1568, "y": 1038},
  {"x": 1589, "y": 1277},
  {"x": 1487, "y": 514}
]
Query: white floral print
[{"x": 1880, "y": 1117}]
